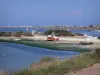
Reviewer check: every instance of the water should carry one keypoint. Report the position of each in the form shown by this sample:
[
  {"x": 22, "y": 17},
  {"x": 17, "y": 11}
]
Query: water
[
  {"x": 17, "y": 56},
  {"x": 90, "y": 33},
  {"x": 15, "y": 29}
]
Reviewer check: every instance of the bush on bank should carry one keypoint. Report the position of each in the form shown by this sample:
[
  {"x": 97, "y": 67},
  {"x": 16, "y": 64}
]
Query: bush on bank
[
  {"x": 65, "y": 66},
  {"x": 46, "y": 59},
  {"x": 59, "y": 32}
]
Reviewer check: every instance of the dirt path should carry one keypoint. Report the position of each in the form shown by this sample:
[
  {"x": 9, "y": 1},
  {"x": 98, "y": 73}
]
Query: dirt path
[{"x": 94, "y": 70}]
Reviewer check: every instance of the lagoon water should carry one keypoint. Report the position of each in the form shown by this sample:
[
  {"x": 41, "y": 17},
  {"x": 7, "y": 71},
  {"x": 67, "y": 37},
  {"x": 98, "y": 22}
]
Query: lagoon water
[
  {"x": 90, "y": 33},
  {"x": 15, "y": 29},
  {"x": 17, "y": 56}
]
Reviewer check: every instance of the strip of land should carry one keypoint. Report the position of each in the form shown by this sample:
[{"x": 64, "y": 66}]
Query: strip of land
[{"x": 63, "y": 43}]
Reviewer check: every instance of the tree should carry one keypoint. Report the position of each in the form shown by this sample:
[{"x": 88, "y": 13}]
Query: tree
[
  {"x": 91, "y": 26},
  {"x": 27, "y": 34},
  {"x": 59, "y": 32},
  {"x": 18, "y": 34},
  {"x": 5, "y": 34}
]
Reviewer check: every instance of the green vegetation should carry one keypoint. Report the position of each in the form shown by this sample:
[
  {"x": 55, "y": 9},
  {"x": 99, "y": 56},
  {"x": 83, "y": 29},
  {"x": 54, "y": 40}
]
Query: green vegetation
[
  {"x": 59, "y": 32},
  {"x": 16, "y": 34},
  {"x": 46, "y": 59},
  {"x": 63, "y": 67},
  {"x": 91, "y": 26},
  {"x": 5, "y": 34}
]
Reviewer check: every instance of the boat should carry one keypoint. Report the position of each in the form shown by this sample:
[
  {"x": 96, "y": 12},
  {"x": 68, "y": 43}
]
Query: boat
[{"x": 52, "y": 38}]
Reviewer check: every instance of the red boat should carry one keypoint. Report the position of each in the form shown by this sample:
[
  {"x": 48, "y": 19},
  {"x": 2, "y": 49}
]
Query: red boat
[{"x": 52, "y": 38}]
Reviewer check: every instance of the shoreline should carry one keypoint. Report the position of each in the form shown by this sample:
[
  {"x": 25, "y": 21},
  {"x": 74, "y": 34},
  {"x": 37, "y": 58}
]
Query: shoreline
[
  {"x": 44, "y": 37},
  {"x": 51, "y": 45},
  {"x": 64, "y": 44}
]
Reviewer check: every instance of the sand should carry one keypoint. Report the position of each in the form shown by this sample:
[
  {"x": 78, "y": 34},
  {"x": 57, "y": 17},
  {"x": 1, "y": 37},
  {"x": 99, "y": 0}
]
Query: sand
[
  {"x": 96, "y": 42},
  {"x": 94, "y": 70},
  {"x": 43, "y": 37}
]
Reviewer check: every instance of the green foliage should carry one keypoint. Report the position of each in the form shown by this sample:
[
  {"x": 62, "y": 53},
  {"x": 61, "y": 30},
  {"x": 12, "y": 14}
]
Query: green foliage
[
  {"x": 59, "y": 32},
  {"x": 97, "y": 53},
  {"x": 7, "y": 34},
  {"x": 79, "y": 34},
  {"x": 16, "y": 34},
  {"x": 91, "y": 26},
  {"x": 23, "y": 72},
  {"x": 26, "y": 34},
  {"x": 46, "y": 59}
]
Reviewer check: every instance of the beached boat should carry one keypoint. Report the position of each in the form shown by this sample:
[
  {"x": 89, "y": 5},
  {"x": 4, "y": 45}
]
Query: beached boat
[{"x": 52, "y": 38}]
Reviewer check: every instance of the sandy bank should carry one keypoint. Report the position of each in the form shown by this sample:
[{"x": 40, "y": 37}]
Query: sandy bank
[
  {"x": 94, "y": 70},
  {"x": 42, "y": 37}
]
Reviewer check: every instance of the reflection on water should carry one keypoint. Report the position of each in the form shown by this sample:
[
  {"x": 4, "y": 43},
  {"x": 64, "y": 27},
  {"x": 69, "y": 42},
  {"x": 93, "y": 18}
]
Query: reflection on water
[{"x": 14, "y": 56}]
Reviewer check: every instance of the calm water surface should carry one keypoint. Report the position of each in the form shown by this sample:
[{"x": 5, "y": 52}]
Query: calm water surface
[
  {"x": 15, "y": 29},
  {"x": 16, "y": 56},
  {"x": 90, "y": 33}
]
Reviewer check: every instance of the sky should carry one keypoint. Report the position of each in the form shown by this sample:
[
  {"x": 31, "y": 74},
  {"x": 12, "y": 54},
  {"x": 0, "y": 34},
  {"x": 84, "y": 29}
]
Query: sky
[{"x": 49, "y": 12}]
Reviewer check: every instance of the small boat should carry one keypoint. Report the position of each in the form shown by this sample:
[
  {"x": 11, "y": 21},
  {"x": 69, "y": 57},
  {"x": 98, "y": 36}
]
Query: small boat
[{"x": 52, "y": 38}]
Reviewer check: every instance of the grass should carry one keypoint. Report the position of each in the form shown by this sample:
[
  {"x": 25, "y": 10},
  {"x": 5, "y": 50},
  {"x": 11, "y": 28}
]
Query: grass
[
  {"x": 63, "y": 67},
  {"x": 46, "y": 59}
]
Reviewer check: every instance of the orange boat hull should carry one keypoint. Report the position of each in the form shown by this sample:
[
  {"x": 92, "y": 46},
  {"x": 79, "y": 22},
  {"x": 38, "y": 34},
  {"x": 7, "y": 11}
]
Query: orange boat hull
[{"x": 52, "y": 39}]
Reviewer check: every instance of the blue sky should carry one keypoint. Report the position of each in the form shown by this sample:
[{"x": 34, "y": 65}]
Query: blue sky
[{"x": 47, "y": 12}]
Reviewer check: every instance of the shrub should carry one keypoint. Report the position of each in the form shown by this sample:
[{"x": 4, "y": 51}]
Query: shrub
[
  {"x": 97, "y": 53},
  {"x": 46, "y": 59},
  {"x": 59, "y": 32},
  {"x": 26, "y": 34},
  {"x": 98, "y": 37},
  {"x": 7, "y": 34}
]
